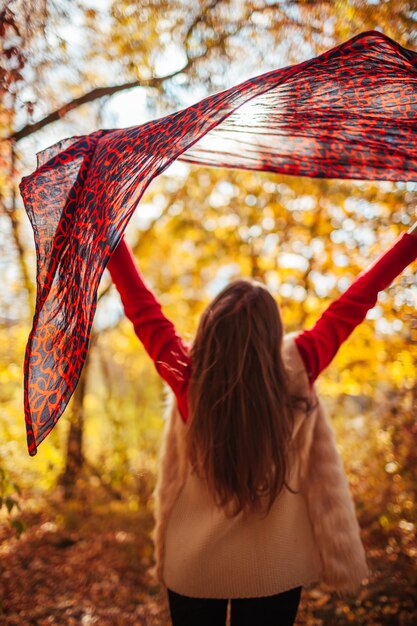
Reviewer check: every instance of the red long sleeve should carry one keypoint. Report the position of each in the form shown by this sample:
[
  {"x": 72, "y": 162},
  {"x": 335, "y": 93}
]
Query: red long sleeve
[
  {"x": 319, "y": 345},
  {"x": 158, "y": 335}
]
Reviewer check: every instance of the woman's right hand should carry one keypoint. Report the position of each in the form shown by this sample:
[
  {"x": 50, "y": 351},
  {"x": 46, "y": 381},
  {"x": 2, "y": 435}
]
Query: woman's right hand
[{"x": 413, "y": 229}]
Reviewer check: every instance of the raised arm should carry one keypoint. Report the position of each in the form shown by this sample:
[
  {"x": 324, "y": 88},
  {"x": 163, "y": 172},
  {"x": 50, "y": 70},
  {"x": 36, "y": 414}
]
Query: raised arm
[
  {"x": 158, "y": 335},
  {"x": 319, "y": 345}
]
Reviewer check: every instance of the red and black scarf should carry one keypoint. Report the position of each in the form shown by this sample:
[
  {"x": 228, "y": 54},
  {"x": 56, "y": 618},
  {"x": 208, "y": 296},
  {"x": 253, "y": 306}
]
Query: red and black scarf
[{"x": 348, "y": 113}]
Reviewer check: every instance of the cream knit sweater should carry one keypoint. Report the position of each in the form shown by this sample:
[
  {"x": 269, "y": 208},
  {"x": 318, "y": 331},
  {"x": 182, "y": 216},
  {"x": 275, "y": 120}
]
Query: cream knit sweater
[{"x": 307, "y": 536}]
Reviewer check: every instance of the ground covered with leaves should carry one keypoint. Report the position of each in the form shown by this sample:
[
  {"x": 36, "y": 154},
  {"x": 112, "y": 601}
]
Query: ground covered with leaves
[{"x": 88, "y": 561}]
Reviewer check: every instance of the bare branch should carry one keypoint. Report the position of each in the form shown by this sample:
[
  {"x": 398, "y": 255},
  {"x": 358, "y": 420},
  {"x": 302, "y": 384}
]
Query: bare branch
[
  {"x": 91, "y": 96},
  {"x": 198, "y": 19}
]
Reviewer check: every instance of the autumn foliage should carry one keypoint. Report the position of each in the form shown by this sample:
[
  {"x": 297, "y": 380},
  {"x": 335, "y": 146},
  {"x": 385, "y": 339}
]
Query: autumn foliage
[{"x": 75, "y": 521}]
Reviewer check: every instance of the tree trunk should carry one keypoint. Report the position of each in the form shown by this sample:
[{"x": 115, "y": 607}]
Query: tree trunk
[
  {"x": 75, "y": 454},
  {"x": 12, "y": 212}
]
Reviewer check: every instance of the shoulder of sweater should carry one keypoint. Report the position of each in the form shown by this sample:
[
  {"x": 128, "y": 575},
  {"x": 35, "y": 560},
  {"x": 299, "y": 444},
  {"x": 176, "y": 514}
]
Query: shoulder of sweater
[
  {"x": 291, "y": 355},
  {"x": 169, "y": 401}
]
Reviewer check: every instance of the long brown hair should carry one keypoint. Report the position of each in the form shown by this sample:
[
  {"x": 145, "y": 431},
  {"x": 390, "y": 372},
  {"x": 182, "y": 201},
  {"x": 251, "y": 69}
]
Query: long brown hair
[{"x": 241, "y": 411}]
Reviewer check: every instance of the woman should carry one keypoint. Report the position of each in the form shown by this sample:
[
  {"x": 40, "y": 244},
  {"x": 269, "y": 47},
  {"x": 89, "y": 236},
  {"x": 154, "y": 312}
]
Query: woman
[{"x": 252, "y": 502}]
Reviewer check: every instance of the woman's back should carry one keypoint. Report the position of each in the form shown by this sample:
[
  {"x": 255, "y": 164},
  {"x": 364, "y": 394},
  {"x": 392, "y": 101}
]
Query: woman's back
[{"x": 208, "y": 553}]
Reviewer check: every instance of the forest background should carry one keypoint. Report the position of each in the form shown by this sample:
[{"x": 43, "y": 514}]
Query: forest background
[{"x": 75, "y": 520}]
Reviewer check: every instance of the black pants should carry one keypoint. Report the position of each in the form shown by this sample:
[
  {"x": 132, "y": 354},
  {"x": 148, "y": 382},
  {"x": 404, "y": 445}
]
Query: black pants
[{"x": 280, "y": 609}]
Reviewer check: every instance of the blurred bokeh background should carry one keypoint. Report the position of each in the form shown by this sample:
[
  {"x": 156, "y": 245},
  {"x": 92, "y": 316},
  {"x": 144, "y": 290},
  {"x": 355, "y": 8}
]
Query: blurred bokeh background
[{"x": 76, "y": 520}]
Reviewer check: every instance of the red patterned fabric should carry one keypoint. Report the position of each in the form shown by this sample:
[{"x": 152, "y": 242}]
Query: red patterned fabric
[{"x": 349, "y": 113}]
